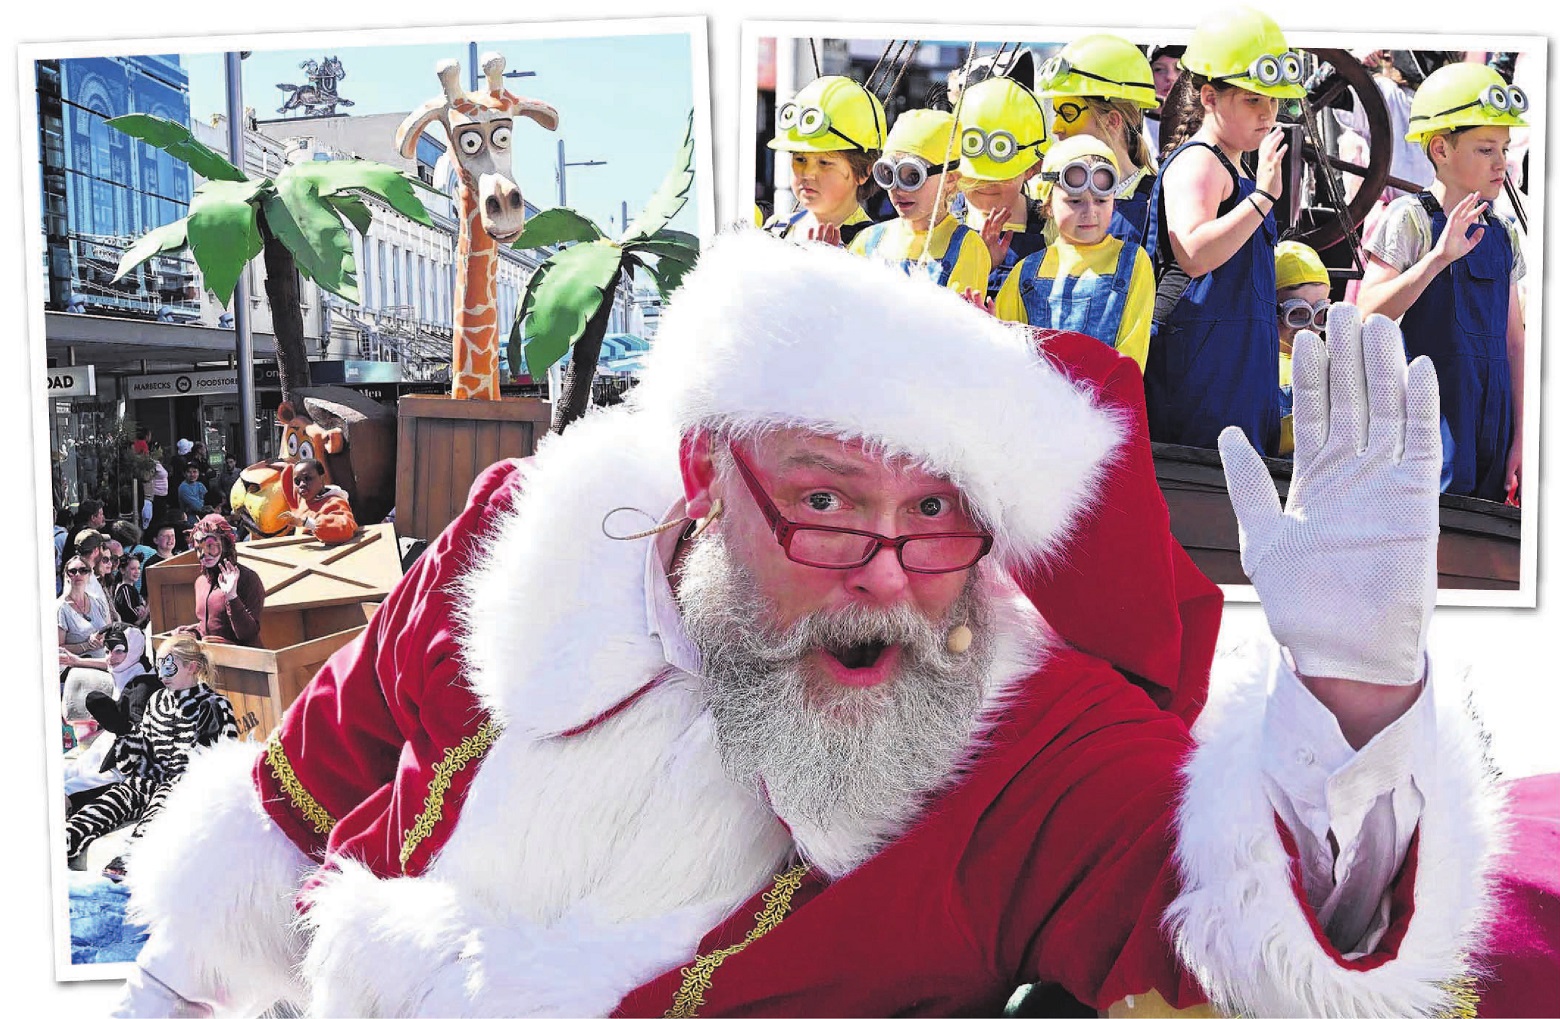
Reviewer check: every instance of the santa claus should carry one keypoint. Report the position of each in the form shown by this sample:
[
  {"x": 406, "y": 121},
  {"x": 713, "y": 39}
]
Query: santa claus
[{"x": 898, "y": 700}]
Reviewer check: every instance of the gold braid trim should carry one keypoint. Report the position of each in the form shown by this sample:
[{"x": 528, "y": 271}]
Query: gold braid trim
[
  {"x": 305, "y": 804},
  {"x": 697, "y": 977},
  {"x": 455, "y": 758},
  {"x": 1464, "y": 992}
]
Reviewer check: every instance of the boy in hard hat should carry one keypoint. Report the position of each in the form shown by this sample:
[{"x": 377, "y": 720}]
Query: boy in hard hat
[
  {"x": 1088, "y": 281},
  {"x": 917, "y": 171},
  {"x": 1448, "y": 266},
  {"x": 833, "y": 131},
  {"x": 1001, "y": 134},
  {"x": 1100, "y": 85}
]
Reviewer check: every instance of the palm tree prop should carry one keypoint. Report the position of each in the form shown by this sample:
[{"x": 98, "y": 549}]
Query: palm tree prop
[
  {"x": 569, "y": 299},
  {"x": 297, "y": 220}
]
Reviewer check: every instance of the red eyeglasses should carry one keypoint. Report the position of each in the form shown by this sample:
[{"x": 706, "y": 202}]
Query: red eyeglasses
[{"x": 841, "y": 548}]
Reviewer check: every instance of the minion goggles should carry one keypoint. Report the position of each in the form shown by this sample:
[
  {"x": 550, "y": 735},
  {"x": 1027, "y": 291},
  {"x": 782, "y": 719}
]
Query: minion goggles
[
  {"x": 1500, "y": 98},
  {"x": 810, "y": 122},
  {"x": 1059, "y": 67},
  {"x": 908, "y": 173},
  {"x": 997, "y": 146},
  {"x": 1298, "y": 314},
  {"x": 1079, "y": 176},
  {"x": 1270, "y": 69}
]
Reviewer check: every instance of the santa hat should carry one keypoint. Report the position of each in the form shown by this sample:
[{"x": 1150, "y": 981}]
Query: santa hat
[{"x": 1045, "y": 433}]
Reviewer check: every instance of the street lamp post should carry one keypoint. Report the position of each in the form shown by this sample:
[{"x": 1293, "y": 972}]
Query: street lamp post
[
  {"x": 475, "y": 70},
  {"x": 563, "y": 172},
  {"x": 242, "y": 328}
]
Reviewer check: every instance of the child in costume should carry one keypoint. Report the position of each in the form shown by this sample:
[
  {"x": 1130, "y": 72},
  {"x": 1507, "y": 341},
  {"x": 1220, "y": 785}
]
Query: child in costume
[
  {"x": 1303, "y": 285},
  {"x": 1001, "y": 135},
  {"x": 833, "y": 130},
  {"x": 1088, "y": 281},
  {"x": 1448, "y": 266},
  {"x": 1100, "y": 85},
  {"x": 916, "y": 171},
  {"x": 183, "y": 715},
  {"x": 1214, "y": 359}
]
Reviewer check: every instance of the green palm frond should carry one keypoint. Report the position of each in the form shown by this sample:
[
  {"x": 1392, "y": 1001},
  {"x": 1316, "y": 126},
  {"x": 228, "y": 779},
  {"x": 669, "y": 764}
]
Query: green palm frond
[
  {"x": 223, "y": 232},
  {"x": 561, "y": 300},
  {"x": 176, "y": 140}
]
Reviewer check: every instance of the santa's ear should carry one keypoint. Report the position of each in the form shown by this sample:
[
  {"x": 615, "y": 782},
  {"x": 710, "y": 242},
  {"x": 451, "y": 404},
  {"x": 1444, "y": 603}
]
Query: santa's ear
[{"x": 697, "y": 462}]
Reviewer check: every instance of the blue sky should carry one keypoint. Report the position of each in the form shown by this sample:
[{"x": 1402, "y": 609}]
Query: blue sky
[{"x": 623, "y": 99}]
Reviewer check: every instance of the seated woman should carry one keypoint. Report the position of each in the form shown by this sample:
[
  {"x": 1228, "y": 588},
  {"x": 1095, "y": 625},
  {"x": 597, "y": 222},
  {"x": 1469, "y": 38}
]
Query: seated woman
[
  {"x": 80, "y": 617},
  {"x": 183, "y": 715},
  {"x": 117, "y": 707},
  {"x": 228, "y": 597}
]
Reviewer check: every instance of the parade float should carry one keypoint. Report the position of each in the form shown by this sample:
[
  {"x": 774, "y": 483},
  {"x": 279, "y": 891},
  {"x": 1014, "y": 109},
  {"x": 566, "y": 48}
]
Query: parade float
[{"x": 445, "y": 442}]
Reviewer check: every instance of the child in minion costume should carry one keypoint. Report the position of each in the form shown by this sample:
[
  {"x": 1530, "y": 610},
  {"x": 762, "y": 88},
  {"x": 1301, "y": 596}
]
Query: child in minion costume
[
  {"x": 1001, "y": 136},
  {"x": 1088, "y": 281},
  {"x": 1449, "y": 266},
  {"x": 1101, "y": 85},
  {"x": 917, "y": 171},
  {"x": 1303, "y": 285},
  {"x": 1214, "y": 358},
  {"x": 833, "y": 130}
]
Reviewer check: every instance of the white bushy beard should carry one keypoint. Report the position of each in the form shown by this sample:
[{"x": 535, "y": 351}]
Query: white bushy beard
[{"x": 847, "y": 768}]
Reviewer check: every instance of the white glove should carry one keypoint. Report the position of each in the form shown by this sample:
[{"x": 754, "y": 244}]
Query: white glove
[
  {"x": 1347, "y": 570},
  {"x": 145, "y": 995}
]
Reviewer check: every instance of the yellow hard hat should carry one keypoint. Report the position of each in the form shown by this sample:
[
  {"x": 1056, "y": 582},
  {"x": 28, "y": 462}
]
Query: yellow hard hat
[
  {"x": 1298, "y": 264},
  {"x": 924, "y": 133},
  {"x": 1070, "y": 150},
  {"x": 1245, "y": 48},
  {"x": 1001, "y": 129},
  {"x": 1465, "y": 95},
  {"x": 831, "y": 114},
  {"x": 1104, "y": 66}
]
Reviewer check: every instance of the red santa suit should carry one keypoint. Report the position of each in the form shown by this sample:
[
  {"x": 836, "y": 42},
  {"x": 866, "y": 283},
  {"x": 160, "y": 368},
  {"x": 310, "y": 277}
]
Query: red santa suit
[{"x": 513, "y": 784}]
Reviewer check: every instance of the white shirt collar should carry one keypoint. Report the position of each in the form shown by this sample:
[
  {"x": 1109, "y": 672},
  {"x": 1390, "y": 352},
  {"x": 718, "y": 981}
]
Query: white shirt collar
[{"x": 663, "y": 618}]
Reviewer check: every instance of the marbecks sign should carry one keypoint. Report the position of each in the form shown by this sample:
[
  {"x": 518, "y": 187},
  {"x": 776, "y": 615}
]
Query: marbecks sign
[{"x": 202, "y": 383}]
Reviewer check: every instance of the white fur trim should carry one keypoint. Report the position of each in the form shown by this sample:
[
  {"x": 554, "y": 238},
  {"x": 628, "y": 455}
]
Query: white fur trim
[
  {"x": 1237, "y": 925},
  {"x": 534, "y": 603},
  {"x": 420, "y": 946},
  {"x": 213, "y": 875},
  {"x": 766, "y": 332}
]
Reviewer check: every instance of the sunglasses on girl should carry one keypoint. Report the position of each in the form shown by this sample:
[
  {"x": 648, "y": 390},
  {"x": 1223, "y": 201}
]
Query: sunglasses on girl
[
  {"x": 907, "y": 173},
  {"x": 1080, "y": 175},
  {"x": 77, "y": 571},
  {"x": 1298, "y": 314}
]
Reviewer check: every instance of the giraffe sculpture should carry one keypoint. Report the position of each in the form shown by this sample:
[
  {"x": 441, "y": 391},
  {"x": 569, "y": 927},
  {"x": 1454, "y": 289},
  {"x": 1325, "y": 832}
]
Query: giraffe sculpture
[{"x": 479, "y": 126}]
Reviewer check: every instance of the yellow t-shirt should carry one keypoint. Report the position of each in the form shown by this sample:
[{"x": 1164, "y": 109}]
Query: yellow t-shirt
[
  {"x": 898, "y": 242},
  {"x": 1067, "y": 259}
]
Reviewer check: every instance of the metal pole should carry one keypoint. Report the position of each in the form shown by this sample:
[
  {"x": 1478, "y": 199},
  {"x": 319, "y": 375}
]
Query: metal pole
[
  {"x": 625, "y": 218},
  {"x": 242, "y": 329},
  {"x": 473, "y": 66},
  {"x": 563, "y": 187}
]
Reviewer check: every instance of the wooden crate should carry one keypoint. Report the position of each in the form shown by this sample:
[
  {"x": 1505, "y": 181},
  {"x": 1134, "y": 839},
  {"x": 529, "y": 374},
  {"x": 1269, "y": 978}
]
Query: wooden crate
[
  {"x": 261, "y": 683},
  {"x": 318, "y": 597},
  {"x": 443, "y": 444}
]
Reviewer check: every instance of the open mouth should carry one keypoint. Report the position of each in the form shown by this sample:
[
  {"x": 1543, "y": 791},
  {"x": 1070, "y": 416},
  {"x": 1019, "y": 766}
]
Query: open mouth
[{"x": 865, "y": 664}]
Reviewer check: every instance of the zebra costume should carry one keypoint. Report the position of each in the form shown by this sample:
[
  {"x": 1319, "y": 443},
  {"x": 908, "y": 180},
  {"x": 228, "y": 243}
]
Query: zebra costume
[{"x": 152, "y": 758}]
